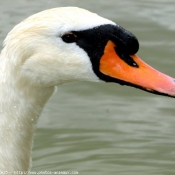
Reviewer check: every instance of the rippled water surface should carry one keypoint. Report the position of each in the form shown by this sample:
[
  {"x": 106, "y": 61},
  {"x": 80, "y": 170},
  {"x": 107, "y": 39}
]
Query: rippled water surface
[{"x": 98, "y": 128}]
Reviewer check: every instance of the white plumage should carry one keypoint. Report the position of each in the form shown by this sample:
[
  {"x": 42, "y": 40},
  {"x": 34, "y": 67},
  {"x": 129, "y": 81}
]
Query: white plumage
[{"x": 33, "y": 61}]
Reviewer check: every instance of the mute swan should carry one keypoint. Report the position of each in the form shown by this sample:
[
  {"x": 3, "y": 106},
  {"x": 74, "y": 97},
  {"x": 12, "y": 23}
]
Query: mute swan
[{"x": 57, "y": 46}]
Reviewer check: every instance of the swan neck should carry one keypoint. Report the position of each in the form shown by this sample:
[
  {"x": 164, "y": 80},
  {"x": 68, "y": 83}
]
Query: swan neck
[{"x": 20, "y": 108}]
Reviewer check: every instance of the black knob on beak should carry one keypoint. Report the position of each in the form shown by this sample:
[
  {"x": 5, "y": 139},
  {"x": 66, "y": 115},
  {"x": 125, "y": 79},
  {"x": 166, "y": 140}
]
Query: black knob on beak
[{"x": 125, "y": 41}]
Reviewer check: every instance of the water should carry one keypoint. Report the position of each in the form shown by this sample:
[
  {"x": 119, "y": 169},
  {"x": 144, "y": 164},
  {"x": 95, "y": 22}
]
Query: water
[{"x": 98, "y": 128}]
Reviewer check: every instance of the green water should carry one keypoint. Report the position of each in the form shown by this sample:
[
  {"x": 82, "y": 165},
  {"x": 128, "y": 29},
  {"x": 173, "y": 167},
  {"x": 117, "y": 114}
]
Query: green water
[{"x": 98, "y": 128}]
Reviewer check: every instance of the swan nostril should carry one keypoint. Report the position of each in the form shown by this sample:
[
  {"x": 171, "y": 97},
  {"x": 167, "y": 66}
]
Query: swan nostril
[{"x": 126, "y": 58}]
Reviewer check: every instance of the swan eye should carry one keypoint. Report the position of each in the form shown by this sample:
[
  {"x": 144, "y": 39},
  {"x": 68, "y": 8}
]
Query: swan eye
[{"x": 69, "y": 37}]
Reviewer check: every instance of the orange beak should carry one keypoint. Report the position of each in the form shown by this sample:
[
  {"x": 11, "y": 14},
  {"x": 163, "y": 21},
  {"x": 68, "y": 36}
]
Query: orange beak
[{"x": 143, "y": 76}]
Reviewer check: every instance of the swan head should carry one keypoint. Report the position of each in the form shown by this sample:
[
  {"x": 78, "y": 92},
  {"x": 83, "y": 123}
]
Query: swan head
[{"x": 72, "y": 44}]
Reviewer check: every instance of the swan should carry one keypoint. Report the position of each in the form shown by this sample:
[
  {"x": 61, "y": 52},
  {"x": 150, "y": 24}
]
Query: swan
[{"x": 53, "y": 47}]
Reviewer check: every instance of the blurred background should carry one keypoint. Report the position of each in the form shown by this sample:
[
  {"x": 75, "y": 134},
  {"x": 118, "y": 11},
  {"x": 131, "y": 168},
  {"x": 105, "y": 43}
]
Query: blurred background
[{"x": 105, "y": 128}]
